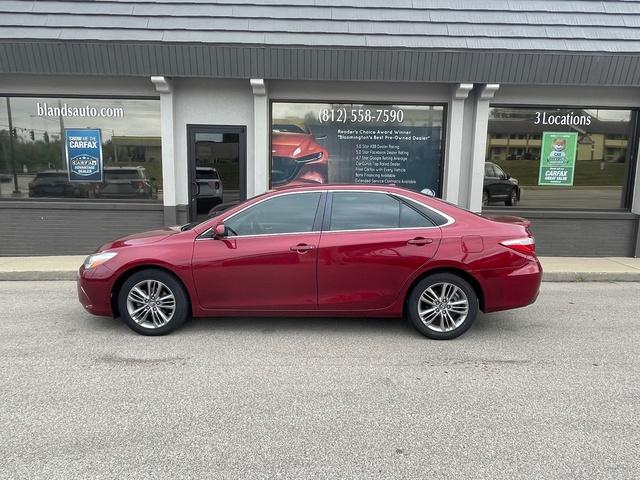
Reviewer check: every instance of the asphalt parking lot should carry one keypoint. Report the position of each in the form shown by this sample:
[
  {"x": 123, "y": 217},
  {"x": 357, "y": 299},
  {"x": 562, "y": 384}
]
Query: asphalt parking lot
[{"x": 549, "y": 391}]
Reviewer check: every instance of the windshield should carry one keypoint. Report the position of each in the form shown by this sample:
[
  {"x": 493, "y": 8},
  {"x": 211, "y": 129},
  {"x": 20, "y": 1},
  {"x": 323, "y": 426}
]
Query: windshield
[
  {"x": 207, "y": 175},
  {"x": 287, "y": 128},
  {"x": 121, "y": 174}
]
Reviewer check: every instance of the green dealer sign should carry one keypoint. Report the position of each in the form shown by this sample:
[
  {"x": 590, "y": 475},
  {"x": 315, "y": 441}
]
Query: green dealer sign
[{"x": 558, "y": 158}]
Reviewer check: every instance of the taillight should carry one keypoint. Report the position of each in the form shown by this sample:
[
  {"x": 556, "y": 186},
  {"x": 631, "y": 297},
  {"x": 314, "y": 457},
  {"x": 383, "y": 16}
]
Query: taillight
[
  {"x": 216, "y": 184},
  {"x": 524, "y": 245}
]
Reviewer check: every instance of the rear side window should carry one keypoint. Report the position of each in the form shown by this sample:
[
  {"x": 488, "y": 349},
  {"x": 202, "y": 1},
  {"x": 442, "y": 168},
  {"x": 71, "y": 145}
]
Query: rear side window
[
  {"x": 434, "y": 217},
  {"x": 371, "y": 210},
  {"x": 122, "y": 174}
]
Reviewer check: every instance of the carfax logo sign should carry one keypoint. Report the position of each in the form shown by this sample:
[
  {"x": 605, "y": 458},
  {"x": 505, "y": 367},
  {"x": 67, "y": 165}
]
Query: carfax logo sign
[
  {"x": 558, "y": 158},
  {"x": 83, "y": 149}
]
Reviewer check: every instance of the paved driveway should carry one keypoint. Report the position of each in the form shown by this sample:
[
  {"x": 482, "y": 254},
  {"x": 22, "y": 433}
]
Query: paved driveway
[{"x": 550, "y": 391}]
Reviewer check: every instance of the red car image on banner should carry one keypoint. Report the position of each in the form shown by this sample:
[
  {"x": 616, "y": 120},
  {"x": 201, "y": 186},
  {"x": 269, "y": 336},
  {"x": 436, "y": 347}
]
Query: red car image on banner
[{"x": 296, "y": 157}]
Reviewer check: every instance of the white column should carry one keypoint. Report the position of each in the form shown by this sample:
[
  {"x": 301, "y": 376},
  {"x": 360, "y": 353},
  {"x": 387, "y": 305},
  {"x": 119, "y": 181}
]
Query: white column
[
  {"x": 258, "y": 166},
  {"x": 169, "y": 178},
  {"x": 635, "y": 203},
  {"x": 479, "y": 144},
  {"x": 453, "y": 158}
]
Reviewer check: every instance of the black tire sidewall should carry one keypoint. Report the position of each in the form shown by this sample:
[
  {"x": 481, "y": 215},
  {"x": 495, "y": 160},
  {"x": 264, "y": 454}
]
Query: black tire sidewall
[
  {"x": 182, "y": 301},
  {"x": 422, "y": 285},
  {"x": 512, "y": 201}
]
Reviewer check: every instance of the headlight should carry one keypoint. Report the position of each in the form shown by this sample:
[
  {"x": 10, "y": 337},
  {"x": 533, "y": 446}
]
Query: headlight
[
  {"x": 92, "y": 261},
  {"x": 309, "y": 158}
]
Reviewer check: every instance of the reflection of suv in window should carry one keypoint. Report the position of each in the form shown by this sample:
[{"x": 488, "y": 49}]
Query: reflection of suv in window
[
  {"x": 296, "y": 157},
  {"x": 499, "y": 186},
  {"x": 56, "y": 184},
  {"x": 209, "y": 188},
  {"x": 125, "y": 182}
]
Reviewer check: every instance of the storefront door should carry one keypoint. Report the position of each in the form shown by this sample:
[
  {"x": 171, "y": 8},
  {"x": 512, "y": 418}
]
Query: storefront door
[{"x": 217, "y": 166}]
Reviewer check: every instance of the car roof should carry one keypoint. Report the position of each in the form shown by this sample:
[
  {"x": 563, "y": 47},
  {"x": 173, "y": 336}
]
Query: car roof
[
  {"x": 343, "y": 186},
  {"x": 137, "y": 167}
]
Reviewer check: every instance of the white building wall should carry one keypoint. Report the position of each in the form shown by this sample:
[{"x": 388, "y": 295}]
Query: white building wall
[{"x": 208, "y": 102}]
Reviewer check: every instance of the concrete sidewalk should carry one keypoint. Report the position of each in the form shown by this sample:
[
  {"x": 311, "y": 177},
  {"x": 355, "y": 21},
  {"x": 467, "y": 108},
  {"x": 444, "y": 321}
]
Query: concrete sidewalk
[{"x": 556, "y": 269}]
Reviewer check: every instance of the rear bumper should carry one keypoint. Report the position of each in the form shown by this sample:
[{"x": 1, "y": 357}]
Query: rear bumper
[
  {"x": 511, "y": 287},
  {"x": 94, "y": 290}
]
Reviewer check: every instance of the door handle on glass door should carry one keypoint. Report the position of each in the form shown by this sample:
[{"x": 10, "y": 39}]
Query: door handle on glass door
[
  {"x": 420, "y": 241},
  {"x": 302, "y": 248}
]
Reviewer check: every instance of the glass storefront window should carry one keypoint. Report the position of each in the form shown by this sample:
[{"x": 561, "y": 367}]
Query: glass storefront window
[
  {"x": 33, "y": 159},
  {"x": 315, "y": 143},
  {"x": 563, "y": 158}
]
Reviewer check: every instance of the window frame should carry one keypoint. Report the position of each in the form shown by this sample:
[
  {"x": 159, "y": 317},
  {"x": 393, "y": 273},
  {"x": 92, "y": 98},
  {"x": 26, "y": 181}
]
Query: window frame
[
  {"x": 443, "y": 143},
  {"x": 626, "y": 198},
  {"x": 85, "y": 201}
]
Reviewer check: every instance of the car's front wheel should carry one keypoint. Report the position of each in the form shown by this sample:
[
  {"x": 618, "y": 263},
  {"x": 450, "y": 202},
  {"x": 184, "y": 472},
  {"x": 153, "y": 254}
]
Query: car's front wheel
[
  {"x": 153, "y": 302},
  {"x": 442, "y": 306}
]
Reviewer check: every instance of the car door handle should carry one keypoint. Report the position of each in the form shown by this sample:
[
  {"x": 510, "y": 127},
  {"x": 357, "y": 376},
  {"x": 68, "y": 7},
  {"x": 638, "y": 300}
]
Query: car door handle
[
  {"x": 420, "y": 241},
  {"x": 302, "y": 248}
]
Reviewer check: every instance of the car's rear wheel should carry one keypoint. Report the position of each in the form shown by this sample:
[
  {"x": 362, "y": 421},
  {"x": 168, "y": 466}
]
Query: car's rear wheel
[
  {"x": 512, "y": 200},
  {"x": 153, "y": 302},
  {"x": 442, "y": 306}
]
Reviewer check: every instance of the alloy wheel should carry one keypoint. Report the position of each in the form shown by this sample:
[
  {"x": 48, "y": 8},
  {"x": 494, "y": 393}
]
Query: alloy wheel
[
  {"x": 151, "y": 304},
  {"x": 443, "y": 307}
]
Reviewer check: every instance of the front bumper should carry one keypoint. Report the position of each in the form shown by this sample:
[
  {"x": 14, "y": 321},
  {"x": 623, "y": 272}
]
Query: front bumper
[{"x": 94, "y": 290}]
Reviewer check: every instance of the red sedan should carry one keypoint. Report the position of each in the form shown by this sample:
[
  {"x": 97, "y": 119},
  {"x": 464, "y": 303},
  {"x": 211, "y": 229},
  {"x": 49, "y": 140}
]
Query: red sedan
[{"x": 374, "y": 251}]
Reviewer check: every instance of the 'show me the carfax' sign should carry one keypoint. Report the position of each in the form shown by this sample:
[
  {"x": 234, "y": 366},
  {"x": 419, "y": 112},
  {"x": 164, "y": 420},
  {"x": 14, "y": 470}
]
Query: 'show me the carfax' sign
[{"x": 83, "y": 149}]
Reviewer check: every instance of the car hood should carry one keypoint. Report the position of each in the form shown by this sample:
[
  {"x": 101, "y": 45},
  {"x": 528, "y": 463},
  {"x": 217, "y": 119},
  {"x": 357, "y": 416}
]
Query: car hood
[
  {"x": 143, "y": 238},
  {"x": 285, "y": 144}
]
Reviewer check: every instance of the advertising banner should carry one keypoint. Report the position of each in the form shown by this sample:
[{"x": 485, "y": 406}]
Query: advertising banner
[
  {"x": 357, "y": 143},
  {"x": 558, "y": 158},
  {"x": 83, "y": 149}
]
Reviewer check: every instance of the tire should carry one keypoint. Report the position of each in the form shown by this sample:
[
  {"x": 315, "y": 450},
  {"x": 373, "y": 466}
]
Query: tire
[
  {"x": 168, "y": 314},
  {"x": 442, "y": 321},
  {"x": 512, "y": 200},
  {"x": 485, "y": 198}
]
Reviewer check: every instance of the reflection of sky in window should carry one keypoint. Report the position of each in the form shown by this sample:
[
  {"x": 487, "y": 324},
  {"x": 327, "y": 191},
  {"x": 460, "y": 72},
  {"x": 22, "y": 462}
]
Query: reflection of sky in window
[
  {"x": 141, "y": 117},
  {"x": 415, "y": 115},
  {"x": 520, "y": 113}
]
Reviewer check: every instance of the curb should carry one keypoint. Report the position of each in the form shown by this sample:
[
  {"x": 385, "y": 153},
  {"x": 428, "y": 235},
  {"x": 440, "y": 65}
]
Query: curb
[
  {"x": 72, "y": 275},
  {"x": 39, "y": 275},
  {"x": 591, "y": 276}
]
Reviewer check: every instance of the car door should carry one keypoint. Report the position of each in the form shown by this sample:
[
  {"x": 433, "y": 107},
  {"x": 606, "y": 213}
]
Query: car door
[
  {"x": 266, "y": 261},
  {"x": 504, "y": 186},
  {"x": 371, "y": 244}
]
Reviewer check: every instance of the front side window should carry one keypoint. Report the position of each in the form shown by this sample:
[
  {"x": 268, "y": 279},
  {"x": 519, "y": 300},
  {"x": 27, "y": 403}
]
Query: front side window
[
  {"x": 563, "y": 158},
  {"x": 283, "y": 214},
  {"x": 372, "y": 211},
  {"x": 80, "y": 149}
]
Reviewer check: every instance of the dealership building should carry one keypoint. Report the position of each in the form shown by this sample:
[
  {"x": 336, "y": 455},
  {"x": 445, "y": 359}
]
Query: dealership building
[{"x": 119, "y": 116}]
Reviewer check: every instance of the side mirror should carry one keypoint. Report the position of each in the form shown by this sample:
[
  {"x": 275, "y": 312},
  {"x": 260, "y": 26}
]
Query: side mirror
[{"x": 220, "y": 231}]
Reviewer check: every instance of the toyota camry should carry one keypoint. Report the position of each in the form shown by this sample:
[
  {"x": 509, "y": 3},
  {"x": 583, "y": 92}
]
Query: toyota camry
[{"x": 349, "y": 250}]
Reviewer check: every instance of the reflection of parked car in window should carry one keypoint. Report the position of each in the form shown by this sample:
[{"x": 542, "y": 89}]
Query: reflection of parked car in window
[
  {"x": 209, "y": 188},
  {"x": 499, "y": 186},
  {"x": 296, "y": 157},
  {"x": 218, "y": 209},
  {"x": 125, "y": 182},
  {"x": 56, "y": 184},
  {"x": 4, "y": 178}
]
